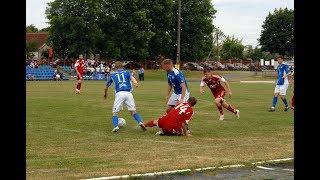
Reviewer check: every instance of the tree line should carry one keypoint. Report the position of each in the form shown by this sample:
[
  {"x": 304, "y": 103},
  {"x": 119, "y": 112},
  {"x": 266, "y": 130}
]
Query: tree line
[{"x": 144, "y": 29}]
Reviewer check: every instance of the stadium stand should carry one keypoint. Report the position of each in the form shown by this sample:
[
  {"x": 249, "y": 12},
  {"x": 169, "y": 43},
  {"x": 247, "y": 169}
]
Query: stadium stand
[{"x": 43, "y": 72}]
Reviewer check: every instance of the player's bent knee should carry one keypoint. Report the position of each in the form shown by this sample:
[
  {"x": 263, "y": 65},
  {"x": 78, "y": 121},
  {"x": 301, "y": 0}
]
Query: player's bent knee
[
  {"x": 132, "y": 112},
  {"x": 218, "y": 101}
]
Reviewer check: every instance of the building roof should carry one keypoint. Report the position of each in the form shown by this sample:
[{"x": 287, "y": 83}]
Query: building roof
[{"x": 40, "y": 38}]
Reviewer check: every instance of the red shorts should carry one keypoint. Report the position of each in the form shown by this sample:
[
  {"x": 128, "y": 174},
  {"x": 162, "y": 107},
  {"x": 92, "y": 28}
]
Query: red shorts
[
  {"x": 168, "y": 128},
  {"x": 78, "y": 77},
  {"x": 218, "y": 94}
]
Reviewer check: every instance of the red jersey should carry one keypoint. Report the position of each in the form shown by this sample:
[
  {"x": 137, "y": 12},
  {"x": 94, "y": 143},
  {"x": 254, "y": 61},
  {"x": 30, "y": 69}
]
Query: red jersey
[
  {"x": 214, "y": 84},
  {"x": 79, "y": 65},
  {"x": 171, "y": 123}
]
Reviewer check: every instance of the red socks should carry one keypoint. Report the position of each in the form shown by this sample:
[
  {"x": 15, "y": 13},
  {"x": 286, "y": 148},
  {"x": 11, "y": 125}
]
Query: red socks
[
  {"x": 220, "y": 109},
  {"x": 78, "y": 86},
  {"x": 149, "y": 123},
  {"x": 229, "y": 108}
]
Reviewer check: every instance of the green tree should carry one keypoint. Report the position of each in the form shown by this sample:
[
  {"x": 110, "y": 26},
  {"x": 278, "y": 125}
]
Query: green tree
[
  {"x": 232, "y": 48},
  {"x": 31, "y": 46},
  {"x": 254, "y": 54},
  {"x": 277, "y": 34},
  {"x": 161, "y": 15},
  {"x": 196, "y": 29},
  {"x": 73, "y": 26},
  {"x": 44, "y": 29},
  {"x": 31, "y": 29}
]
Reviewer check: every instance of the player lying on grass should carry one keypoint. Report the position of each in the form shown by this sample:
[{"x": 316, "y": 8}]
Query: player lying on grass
[
  {"x": 122, "y": 83},
  {"x": 218, "y": 91},
  {"x": 177, "y": 81},
  {"x": 176, "y": 121}
]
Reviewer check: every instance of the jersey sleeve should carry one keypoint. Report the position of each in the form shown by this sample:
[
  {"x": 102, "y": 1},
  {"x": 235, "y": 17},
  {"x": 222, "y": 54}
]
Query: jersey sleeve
[
  {"x": 222, "y": 79},
  {"x": 202, "y": 82},
  {"x": 109, "y": 81},
  {"x": 168, "y": 80},
  {"x": 286, "y": 69},
  {"x": 188, "y": 115},
  {"x": 180, "y": 77}
]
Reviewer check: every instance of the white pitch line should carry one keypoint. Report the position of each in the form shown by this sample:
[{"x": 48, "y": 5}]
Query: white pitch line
[
  {"x": 198, "y": 169},
  {"x": 257, "y": 81},
  {"x": 291, "y": 170},
  {"x": 231, "y": 166},
  {"x": 275, "y": 160},
  {"x": 266, "y": 168}
]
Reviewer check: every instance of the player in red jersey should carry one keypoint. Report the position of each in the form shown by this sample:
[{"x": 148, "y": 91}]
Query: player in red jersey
[
  {"x": 176, "y": 121},
  {"x": 218, "y": 91},
  {"x": 79, "y": 67}
]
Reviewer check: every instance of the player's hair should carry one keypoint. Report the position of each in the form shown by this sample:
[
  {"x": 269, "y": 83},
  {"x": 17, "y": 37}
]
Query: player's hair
[
  {"x": 167, "y": 61},
  {"x": 207, "y": 69},
  {"x": 118, "y": 65},
  {"x": 280, "y": 56},
  {"x": 192, "y": 101}
]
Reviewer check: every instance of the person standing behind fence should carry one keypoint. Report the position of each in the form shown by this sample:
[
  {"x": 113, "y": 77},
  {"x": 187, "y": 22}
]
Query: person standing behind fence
[{"x": 141, "y": 74}]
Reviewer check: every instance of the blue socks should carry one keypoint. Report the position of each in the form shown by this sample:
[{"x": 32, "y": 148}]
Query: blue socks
[
  {"x": 274, "y": 101},
  {"x": 285, "y": 102},
  {"x": 115, "y": 121},
  {"x": 137, "y": 117}
]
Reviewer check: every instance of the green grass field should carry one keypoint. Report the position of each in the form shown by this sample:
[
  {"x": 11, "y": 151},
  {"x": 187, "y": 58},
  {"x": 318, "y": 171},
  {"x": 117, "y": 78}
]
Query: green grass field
[{"x": 69, "y": 136}]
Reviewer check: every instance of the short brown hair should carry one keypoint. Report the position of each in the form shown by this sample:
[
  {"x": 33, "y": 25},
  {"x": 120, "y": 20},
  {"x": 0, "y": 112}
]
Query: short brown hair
[
  {"x": 279, "y": 56},
  {"x": 192, "y": 101},
  {"x": 167, "y": 61},
  {"x": 118, "y": 65},
  {"x": 207, "y": 69}
]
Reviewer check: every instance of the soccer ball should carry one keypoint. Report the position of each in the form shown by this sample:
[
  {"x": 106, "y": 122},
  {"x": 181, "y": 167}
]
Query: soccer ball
[{"x": 121, "y": 122}]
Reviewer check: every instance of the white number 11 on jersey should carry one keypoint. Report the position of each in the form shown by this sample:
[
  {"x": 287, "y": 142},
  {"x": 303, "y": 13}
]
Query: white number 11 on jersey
[{"x": 119, "y": 79}]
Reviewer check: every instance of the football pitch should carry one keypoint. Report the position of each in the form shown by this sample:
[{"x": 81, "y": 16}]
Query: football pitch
[{"x": 69, "y": 136}]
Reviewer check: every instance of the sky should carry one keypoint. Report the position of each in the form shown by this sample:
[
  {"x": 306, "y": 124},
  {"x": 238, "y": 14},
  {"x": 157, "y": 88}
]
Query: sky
[{"x": 241, "y": 18}]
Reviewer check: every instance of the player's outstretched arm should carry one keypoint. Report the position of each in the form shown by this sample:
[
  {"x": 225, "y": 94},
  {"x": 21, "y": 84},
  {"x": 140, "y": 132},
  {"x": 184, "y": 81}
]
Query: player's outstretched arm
[
  {"x": 183, "y": 91},
  {"x": 134, "y": 81},
  {"x": 202, "y": 86},
  {"x": 227, "y": 87},
  {"x": 106, "y": 92},
  {"x": 185, "y": 131},
  {"x": 168, "y": 92}
]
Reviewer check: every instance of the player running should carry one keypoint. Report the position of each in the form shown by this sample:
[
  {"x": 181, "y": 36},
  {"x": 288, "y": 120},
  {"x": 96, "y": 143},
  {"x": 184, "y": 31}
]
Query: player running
[
  {"x": 282, "y": 84},
  {"x": 218, "y": 91},
  {"x": 176, "y": 121},
  {"x": 122, "y": 83},
  {"x": 79, "y": 67},
  {"x": 177, "y": 81}
]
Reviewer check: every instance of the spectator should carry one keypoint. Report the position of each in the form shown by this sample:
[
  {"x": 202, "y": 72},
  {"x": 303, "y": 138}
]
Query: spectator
[
  {"x": 57, "y": 76},
  {"x": 141, "y": 74},
  {"x": 30, "y": 77}
]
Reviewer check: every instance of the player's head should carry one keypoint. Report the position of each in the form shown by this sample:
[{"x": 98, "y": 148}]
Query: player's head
[
  {"x": 280, "y": 59},
  {"x": 80, "y": 56},
  {"x": 167, "y": 64},
  {"x": 118, "y": 65},
  {"x": 207, "y": 72},
  {"x": 192, "y": 101}
]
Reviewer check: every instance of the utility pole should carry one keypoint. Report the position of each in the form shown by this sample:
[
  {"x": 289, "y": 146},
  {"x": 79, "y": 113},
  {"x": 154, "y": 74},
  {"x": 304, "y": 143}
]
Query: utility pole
[{"x": 178, "y": 37}]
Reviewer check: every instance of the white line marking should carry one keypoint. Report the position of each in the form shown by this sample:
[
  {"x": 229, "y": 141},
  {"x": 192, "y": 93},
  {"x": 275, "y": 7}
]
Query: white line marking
[
  {"x": 288, "y": 170},
  {"x": 231, "y": 166},
  {"x": 206, "y": 168},
  {"x": 275, "y": 160},
  {"x": 266, "y": 168},
  {"x": 198, "y": 169},
  {"x": 257, "y": 81}
]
